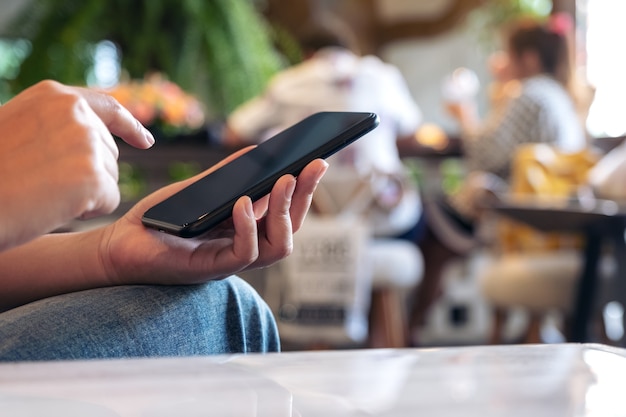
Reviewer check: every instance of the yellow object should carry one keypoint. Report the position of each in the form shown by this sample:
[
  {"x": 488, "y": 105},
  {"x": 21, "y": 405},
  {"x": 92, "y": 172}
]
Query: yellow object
[
  {"x": 431, "y": 135},
  {"x": 542, "y": 172}
]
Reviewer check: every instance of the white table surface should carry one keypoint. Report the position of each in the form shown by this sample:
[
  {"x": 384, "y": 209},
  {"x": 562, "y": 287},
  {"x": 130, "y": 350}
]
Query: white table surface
[{"x": 527, "y": 380}]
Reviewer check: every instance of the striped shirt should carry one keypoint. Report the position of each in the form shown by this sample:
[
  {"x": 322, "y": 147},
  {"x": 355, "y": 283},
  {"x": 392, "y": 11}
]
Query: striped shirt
[{"x": 541, "y": 112}]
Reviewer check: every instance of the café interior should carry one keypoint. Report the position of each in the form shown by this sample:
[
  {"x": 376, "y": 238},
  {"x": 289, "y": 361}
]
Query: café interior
[{"x": 538, "y": 282}]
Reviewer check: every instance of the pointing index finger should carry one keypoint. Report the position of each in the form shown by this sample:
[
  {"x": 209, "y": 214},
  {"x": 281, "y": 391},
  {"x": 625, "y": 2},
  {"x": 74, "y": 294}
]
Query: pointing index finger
[{"x": 118, "y": 119}]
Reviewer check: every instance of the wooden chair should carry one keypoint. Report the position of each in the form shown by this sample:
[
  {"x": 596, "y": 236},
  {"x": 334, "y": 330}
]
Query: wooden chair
[
  {"x": 536, "y": 271},
  {"x": 335, "y": 246}
]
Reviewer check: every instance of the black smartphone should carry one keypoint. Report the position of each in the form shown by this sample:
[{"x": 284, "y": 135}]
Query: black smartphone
[{"x": 210, "y": 200}]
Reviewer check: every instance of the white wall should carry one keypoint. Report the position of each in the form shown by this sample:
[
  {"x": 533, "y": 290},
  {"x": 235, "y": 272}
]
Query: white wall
[
  {"x": 8, "y": 9},
  {"x": 425, "y": 62}
]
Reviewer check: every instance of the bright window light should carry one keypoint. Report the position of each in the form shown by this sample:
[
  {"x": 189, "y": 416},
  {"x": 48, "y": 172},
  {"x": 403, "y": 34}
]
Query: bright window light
[
  {"x": 106, "y": 67},
  {"x": 605, "y": 66}
]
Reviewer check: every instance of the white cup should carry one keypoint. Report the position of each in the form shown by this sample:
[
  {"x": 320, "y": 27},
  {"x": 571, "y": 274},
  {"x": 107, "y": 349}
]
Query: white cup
[{"x": 461, "y": 85}]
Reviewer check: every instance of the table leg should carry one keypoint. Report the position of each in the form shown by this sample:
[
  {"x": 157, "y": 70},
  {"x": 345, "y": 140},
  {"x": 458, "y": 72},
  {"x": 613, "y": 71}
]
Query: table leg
[
  {"x": 587, "y": 287},
  {"x": 618, "y": 287}
]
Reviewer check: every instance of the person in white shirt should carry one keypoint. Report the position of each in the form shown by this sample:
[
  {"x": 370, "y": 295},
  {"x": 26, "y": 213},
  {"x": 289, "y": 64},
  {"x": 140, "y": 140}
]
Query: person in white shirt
[{"x": 335, "y": 78}]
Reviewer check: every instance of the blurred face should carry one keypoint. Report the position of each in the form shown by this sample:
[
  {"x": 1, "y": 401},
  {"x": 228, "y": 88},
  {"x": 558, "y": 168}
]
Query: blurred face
[
  {"x": 523, "y": 65},
  {"x": 500, "y": 67}
]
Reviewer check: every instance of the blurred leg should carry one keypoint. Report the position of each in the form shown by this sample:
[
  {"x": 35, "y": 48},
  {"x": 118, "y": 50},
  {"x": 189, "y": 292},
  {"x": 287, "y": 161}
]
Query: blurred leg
[
  {"x": 225, "y": 316},
  {"x": 533, "y": 331},
  {"x": 436, "y": 256},
  {"x": 499, "y": 319}
]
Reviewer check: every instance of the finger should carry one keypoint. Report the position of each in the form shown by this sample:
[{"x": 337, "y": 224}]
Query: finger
[
  {"x": 111, "y": 166},
  {"x": 306, "y": 185},
  {"x": 237, "y": 244},
  {"x": 245, "y": 241},
  {"x": 107, "y": 151},
  {"x": 276, "y": 241},
  {"x": 118, "y": 119},
  {"x": 260, "y": 206},
  {"x": 103, "y": 192},
  {"x": 105, "y": 201}
]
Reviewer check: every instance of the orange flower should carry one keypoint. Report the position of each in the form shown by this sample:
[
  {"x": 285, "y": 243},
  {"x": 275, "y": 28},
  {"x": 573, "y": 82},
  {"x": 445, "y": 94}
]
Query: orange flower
[{"x": 158, "y": 100}]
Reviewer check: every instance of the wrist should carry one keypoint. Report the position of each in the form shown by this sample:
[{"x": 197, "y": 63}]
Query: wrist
[{"x": 50, "y": 265}]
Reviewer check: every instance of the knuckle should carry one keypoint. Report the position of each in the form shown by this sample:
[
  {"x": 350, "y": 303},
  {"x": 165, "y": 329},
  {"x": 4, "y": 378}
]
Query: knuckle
[
  {"x": 74, "y": 106},
  {"x": 252, "y": 258},
  {"x": 284, "y": 251},
  {"x": 111, "y": 104},
  {"x": 89, "y": 163},
  {"x": 247, "y": 258},
  {"x": 49, "y": 86},
  {"x": 96, "y": 195},
  {"x": 57, "y": 90}
]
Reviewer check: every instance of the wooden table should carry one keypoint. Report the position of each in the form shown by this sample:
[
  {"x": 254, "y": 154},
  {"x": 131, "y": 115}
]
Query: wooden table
[
  {"x": 512, "y": 381},
  {"x": 599, "y": 221}
]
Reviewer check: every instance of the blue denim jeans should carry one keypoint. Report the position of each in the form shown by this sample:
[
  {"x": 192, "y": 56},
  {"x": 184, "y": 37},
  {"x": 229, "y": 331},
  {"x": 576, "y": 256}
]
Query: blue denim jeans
[{"x": 226, "y": 316}]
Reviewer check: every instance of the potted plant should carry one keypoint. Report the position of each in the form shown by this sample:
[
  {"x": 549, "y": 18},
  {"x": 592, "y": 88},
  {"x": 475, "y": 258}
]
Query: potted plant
[{"x": 221, "y": 50}]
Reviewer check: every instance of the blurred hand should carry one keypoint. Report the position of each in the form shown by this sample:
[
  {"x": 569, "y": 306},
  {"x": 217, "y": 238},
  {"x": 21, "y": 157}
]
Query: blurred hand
[
  {"x": 257, "y": 236},
  {"x": 464, "y": 112},
  {"x": 58, "y": 159}
]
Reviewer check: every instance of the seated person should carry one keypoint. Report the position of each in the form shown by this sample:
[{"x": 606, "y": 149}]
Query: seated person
[
  {"x": 333, "y": 77},
  {"x": 121, "y": 290},
  {"x": 539, "y": 105}
]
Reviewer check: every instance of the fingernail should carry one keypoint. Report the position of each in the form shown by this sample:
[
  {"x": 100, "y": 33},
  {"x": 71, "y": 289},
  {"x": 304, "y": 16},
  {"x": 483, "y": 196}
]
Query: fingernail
[
  {"x": 322, "y": 170},
  {"x": 249, "y": 208},
  {"x": 291, "y": 187},
  {"x": 148, "y": 136}
]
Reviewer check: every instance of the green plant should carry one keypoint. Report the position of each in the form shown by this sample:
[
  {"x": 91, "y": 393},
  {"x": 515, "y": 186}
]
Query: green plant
[
  {"x": 493, "y": 14},
  {"x": 12, "y": 53},
  {"x": 221, "y": 50}
]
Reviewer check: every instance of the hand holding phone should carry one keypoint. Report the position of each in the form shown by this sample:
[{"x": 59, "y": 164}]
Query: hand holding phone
[{"x": 209, "y": 201}]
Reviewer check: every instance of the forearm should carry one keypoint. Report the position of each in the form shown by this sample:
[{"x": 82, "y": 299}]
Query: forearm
[{"x": 50, "y": 265}]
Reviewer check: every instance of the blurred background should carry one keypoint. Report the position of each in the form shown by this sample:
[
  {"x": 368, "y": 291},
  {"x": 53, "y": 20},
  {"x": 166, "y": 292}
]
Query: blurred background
[
  {"x": 182, "y": 66},
  {"x": 226, "y": 51}
]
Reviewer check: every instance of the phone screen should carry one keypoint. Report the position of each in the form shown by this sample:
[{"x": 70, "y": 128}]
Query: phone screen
[{"x": 209, "y": 201}]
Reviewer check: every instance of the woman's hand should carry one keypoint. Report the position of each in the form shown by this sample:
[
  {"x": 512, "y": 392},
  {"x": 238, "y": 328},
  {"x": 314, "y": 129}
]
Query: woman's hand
[
  {"x": 58, "y": 159},
  {"x": 258, "y": 235}
]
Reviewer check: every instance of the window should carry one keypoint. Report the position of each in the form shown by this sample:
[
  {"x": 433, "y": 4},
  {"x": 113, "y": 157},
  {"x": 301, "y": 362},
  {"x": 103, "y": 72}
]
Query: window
[{"x": 604, "y": 23}]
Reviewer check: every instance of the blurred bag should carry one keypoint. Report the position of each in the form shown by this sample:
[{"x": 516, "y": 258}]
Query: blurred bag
[{"x": 541, "y": 171}]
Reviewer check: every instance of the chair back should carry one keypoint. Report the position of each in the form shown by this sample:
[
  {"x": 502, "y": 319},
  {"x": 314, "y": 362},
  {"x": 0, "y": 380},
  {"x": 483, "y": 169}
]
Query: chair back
[{"x": 327, "y": 284}]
